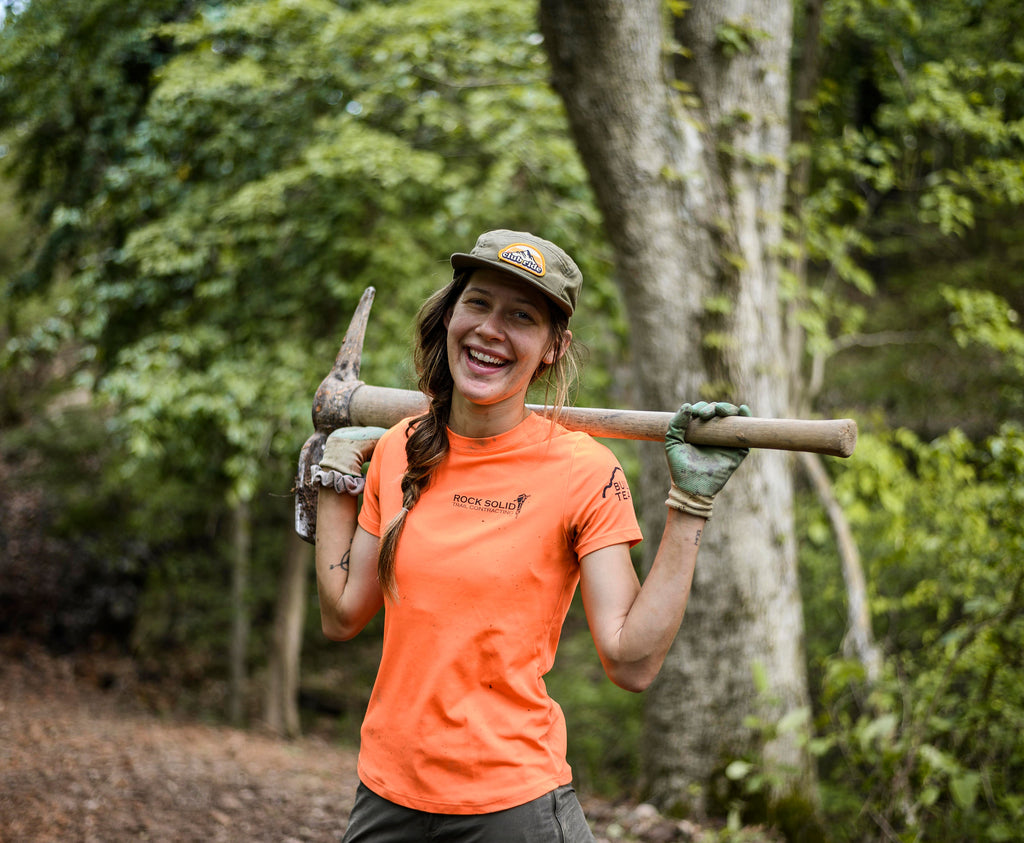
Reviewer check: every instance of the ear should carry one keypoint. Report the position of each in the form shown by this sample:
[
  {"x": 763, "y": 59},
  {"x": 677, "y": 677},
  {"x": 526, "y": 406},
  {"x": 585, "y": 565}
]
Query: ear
[
  {"x": 555, "y": 353},
  {"x": 448, "y": 317}
]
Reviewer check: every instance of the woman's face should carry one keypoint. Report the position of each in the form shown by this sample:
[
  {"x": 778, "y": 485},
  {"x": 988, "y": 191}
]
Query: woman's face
[{"x": 499, "y": 333}]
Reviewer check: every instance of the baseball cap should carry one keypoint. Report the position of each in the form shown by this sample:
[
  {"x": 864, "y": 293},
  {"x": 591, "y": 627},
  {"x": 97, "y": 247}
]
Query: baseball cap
[{"x": 534, "y": 259}]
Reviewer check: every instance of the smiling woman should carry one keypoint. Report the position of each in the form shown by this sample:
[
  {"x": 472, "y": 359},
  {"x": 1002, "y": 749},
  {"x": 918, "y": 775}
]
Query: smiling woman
[{"x": 479, "y": 520}]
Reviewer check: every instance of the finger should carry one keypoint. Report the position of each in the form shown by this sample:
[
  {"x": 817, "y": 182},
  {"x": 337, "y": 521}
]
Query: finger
[
  {"x": 703, "y": 410},
  {"x": 678, "y": 424}
]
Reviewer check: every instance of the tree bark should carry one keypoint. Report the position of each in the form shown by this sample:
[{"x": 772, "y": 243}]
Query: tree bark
[
  {"x": 281, "y": 703},
  {"x": 242, "y": 554},
  {"x": 686, "y": 156}
]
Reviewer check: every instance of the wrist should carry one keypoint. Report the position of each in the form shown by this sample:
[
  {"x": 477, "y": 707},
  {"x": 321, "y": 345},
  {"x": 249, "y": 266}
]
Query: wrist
[
  {"x": 693, "y": 504},
  {"x": 338, "y": 480}
]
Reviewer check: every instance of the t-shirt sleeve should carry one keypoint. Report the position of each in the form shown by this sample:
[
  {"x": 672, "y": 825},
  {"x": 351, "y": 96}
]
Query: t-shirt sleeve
[
  {"x": 603, "y": 513},
  {"x": 369, "y": 513},
  {"x": 385, "y": 458}
]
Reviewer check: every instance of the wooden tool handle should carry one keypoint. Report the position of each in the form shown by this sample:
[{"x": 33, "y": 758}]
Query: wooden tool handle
[
  {"x": 384, "y": 407},
  {"x": 836, "y": 437}
]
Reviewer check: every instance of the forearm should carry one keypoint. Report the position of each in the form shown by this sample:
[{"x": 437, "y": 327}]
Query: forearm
[
  {"x": 345, "y": 605},
  {"x": 634, "y": 626},
  {"x": 648, "y": 629}
]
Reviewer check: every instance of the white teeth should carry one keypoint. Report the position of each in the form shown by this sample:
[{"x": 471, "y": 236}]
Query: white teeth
[{"x": 485, "y": 358}]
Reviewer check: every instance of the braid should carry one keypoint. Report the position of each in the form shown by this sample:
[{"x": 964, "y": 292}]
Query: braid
[{"x": 427, "y": 443}]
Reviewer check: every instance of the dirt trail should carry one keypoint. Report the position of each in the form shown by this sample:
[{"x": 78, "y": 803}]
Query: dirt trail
[{"x": 81, "y": 764}]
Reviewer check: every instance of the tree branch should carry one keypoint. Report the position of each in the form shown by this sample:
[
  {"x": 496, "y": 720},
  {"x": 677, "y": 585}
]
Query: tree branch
[{"x": 859, "y": 642}]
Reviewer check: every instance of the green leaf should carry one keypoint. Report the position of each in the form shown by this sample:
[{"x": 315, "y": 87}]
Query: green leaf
[
  {"x": 738, "y": 770},
  {"x": 964, "y": 788}
]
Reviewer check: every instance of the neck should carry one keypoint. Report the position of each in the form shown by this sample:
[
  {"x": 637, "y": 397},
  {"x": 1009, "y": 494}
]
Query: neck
[{"x": 478, "y": 421}]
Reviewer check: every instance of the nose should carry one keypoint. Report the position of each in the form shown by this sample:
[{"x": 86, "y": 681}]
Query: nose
[{"x": 491, "y": 327}]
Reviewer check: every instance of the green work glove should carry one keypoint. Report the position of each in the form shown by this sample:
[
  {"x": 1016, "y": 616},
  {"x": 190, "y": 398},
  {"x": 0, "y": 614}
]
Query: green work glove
[
  {"x": 699, "y": 471},
  {"x": 341, "y": 465}
]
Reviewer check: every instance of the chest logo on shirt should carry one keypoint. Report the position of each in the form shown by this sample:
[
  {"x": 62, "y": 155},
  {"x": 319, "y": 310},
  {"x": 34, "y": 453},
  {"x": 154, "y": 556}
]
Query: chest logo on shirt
[
  {"x": 616, "y": 486},
  {"x": 497, "y": 506}
]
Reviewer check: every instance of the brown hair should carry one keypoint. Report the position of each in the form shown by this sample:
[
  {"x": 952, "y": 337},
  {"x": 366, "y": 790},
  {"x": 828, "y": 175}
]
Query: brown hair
[{"x": 426, "y": 443}]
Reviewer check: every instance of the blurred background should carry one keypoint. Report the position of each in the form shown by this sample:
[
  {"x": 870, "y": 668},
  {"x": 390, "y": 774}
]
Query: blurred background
[{"x": 193, "y": 197}]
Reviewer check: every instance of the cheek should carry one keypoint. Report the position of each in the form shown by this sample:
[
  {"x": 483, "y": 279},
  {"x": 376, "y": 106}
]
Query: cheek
[{"x": 453, "y": 347}]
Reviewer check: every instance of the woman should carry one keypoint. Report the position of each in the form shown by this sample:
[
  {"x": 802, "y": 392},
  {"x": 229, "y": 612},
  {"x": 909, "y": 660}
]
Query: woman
[{"x": 478, "y": 520}]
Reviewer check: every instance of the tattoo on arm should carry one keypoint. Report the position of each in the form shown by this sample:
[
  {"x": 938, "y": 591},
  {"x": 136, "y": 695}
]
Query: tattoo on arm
[
  {"x": 343, "y": 564},
  {"x": 696, "y": 539}
]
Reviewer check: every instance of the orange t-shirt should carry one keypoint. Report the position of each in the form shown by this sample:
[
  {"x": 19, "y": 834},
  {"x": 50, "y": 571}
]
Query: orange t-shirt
[{"x": 459, "y": 721}]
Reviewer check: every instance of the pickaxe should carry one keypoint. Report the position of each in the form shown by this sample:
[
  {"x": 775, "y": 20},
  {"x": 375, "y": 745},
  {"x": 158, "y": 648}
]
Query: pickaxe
[{"x": 342, "y": 400}]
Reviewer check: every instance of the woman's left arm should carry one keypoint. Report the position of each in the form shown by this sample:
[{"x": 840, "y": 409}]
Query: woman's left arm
[{"x": 633, "y": 626}]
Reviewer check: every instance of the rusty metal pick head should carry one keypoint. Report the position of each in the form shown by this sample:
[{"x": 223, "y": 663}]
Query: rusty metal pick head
[
  {"x": 306, "y": 493},
  {"x": 331, "y": 406},
  {"x": 331, "y": 403}
]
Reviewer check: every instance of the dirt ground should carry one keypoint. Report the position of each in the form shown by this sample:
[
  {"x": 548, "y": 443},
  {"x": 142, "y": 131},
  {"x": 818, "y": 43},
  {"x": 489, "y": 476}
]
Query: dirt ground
[
  {"x": 83, "y": 757},
  {"x": 78, "y": 763}
]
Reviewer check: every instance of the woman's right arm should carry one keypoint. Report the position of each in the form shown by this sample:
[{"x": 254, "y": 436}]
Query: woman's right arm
[{"x": 346, "y": 567}]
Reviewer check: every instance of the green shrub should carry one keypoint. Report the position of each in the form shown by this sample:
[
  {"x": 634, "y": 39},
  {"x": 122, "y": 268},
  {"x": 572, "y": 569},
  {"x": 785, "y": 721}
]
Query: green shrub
[{"x": 934, "y": 749}]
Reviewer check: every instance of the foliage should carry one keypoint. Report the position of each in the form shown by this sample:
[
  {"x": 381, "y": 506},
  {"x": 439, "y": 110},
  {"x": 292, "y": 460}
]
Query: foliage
[
  {"x": 916, "y": 152},
  {"x": 276, "y": 159},
  {"x": 934, "y": 750},
  {"x": 82, "y": 575}
]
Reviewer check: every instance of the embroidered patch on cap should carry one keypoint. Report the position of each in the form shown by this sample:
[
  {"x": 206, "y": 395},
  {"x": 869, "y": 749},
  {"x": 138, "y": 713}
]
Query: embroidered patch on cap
[{"x": 525, "y": 256}]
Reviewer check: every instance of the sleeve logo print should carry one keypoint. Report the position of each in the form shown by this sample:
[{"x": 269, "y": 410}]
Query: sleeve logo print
[
  {"x": 617, "y": 486},
  {"x": 500, "y": 507}
]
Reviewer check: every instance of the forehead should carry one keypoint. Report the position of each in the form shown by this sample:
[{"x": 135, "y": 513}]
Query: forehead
[{"x": 503, "y": 284}]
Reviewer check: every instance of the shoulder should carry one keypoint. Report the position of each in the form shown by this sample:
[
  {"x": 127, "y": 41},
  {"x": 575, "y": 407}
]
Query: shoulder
[
  {"x": 585, "y": 454},
  {"x": 390, "y": 448},
  {"x": 397, "y": 434},
  {"x": 575, "y": 440}
]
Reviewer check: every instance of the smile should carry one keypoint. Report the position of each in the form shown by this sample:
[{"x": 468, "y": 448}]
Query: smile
[{"x": 488, "y": 359}]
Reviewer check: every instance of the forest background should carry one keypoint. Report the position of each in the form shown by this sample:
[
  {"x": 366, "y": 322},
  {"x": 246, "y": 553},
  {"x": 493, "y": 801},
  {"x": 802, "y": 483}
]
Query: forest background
[{"x": 194, "y": 196}]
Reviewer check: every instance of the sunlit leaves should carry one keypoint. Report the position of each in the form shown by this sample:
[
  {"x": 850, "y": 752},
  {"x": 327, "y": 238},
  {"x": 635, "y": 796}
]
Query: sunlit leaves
[
  {"x": 915, "y": 150},
  {"x": 935, "y": 748},
  {"x": 983, "y": 317}
]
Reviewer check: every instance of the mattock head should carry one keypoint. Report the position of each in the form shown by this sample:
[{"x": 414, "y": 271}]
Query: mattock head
[
  {"x": 331, "y": 406},
  {"x": 331, "y": 403}
]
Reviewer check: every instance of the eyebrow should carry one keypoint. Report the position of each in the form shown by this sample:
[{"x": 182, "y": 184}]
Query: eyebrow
[{"x": 519, "y": 298}]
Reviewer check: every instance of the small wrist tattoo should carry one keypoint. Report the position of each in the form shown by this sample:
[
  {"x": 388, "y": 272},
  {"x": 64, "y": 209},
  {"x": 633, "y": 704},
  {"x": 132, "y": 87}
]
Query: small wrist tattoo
[{"x": 343, "y": 564}]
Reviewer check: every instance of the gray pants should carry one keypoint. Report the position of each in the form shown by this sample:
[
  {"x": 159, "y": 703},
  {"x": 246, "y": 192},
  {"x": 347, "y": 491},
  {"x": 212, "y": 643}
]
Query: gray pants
[{"x": 555, "y": 817}]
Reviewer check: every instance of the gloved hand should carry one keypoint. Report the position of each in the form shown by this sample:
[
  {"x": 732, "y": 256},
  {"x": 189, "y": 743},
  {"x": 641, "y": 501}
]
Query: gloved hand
[
  {"x": 345, "y": 451},
  {"x": 699, "y": 471}
]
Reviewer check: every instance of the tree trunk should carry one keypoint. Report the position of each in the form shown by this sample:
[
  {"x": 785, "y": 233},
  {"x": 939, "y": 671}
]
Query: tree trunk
[
  {"x": 242, "y": 553},
  {"x": 281, "y": 703},
  {"x": 686, "y": 156}
]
